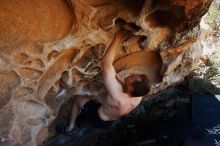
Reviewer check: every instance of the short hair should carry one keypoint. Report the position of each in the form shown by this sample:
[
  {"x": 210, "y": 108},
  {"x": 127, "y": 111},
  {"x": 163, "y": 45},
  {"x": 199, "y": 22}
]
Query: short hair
[{"x": 141, "y": 88}]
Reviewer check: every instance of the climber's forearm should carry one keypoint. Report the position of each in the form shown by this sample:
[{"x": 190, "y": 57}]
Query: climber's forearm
[{"x": 110, "y": 52}]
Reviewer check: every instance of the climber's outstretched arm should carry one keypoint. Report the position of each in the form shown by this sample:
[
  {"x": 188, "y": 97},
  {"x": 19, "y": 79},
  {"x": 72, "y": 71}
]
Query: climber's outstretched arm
[
  {"x": 110, "y": 52},
  {"x": 109, "y": 74}
]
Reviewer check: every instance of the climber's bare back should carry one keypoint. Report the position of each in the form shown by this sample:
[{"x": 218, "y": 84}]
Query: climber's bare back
[{"x": 112, "y": 109}]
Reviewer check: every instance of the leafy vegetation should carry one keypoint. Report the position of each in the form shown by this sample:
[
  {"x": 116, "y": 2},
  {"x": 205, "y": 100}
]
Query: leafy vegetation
[{"x": 213, "y": 14}]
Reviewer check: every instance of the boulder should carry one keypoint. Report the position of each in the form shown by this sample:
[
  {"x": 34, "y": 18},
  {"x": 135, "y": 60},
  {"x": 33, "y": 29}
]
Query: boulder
[{"x": 52, "y": 49}]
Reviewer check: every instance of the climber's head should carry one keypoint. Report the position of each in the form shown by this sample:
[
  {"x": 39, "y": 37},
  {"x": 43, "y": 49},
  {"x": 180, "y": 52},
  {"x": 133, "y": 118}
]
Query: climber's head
[{"x": 136, "y": 85}]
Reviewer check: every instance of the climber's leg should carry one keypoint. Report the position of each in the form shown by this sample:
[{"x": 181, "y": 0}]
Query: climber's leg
[{"x": 77, "y": 105}]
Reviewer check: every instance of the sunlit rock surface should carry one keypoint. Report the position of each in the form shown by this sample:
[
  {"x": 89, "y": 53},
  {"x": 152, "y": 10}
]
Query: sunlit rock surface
[{"x": 52, "y": 49}]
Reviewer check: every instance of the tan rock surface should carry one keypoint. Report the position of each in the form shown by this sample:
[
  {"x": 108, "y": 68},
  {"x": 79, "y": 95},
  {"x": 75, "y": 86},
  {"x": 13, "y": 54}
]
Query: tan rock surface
[
  {"x": 143, "y": 62},
  {"x": 40, "y": 66},
  {"x": 23, "y": 19}
]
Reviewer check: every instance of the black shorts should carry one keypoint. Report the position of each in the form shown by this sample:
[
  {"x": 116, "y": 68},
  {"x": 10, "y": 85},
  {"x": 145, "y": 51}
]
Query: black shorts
[{"x": 90, "y": 112}]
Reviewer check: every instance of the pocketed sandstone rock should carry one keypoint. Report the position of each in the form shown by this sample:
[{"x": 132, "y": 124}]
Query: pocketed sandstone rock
[
  {"x": 21, "y": 91},
  {"x": 9, "y": 80},
  {"x": 39, "y": 71},
  {"x": 30, "y": 73},
  {"x": 38, "y": 63}
]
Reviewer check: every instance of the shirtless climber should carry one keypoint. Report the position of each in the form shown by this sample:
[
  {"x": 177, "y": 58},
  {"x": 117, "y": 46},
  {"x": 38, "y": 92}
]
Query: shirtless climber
[{"x": 121, "y": 98}]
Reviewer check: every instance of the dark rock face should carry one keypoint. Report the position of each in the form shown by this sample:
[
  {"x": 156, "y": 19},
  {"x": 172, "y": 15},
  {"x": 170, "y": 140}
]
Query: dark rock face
[
  {"x": 52, "y": 49},
  {"x": 139, "y": 125}
]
